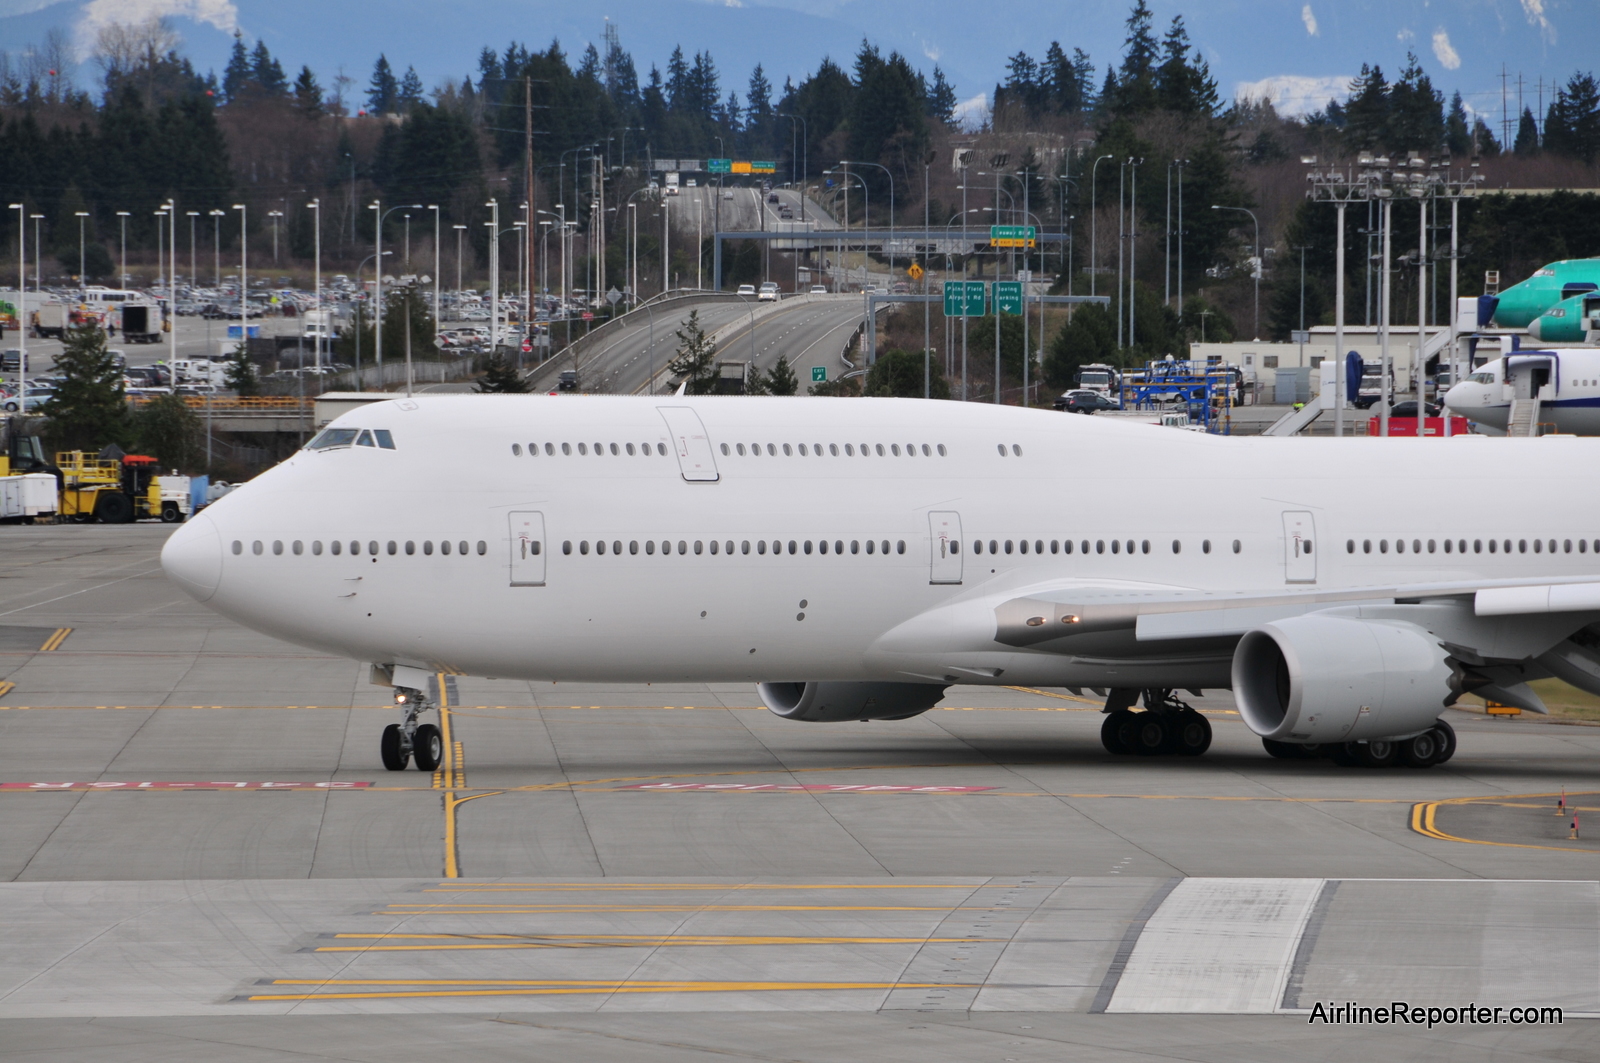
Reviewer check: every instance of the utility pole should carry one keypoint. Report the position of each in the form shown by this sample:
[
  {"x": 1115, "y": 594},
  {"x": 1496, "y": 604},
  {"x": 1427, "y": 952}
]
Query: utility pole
[{"x": 531, "y": 191}]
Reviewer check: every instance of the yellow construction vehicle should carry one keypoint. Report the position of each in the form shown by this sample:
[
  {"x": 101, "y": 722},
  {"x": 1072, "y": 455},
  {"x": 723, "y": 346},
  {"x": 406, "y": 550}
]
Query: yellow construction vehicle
[{"x": 116, "y": 490}]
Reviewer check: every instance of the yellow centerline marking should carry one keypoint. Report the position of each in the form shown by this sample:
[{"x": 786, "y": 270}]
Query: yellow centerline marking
[
  {"x": 460, "y": 942},
  {"x": 54, "y": 642},
  {"x": 667, "y": 887},
  {"x": 488, "y": 909},
  {"x": 1424, "y": 813},
  {"x": 6, "y": 687},
  {"x": 561, "y": 988}
]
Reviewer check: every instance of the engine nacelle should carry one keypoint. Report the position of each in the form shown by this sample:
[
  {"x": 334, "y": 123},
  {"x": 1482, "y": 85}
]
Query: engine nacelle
[
  {"x": 836, "y": 702},
  {"x": 1340, "y": 679}
]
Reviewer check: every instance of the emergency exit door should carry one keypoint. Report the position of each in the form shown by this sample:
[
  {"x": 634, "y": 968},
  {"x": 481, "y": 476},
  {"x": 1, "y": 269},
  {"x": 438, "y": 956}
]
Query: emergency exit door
[
  {"x": 1299, "y": 547},
  {"x": 944, "y": 532},
  {"x": 527, "y": 549},
  {"x": 690, "y": 443}
]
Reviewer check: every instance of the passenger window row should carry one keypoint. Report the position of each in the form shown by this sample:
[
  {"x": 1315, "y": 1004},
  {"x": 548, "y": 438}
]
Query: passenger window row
[
  {"x": 1084, "y": 546},
  {"x": 1459, "y": 546},
  {"x": 373, "y": 547},
  {"x": 618, "y": 449},
  {"x": 1016, "y": 450},
  {"x": 759, "y": 547},
  {"x": 849, "y": 450}
]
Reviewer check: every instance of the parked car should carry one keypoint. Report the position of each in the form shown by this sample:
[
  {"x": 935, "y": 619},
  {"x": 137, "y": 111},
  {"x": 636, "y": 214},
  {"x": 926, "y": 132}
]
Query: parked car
[
  {"x": 11, "y": 360},
  {"x": 1409, "y": 409},
  {"x": 1084, "y": 402}
]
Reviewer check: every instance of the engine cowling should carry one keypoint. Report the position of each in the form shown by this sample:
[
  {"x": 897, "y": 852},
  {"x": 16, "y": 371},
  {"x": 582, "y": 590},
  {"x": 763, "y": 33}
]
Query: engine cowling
[
  {"x": 837, "y": 702},
  {"x": 1315, "y": 679}
]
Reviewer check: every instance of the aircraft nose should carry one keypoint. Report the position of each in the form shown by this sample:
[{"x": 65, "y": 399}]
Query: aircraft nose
[{"x": 192, "y": 558}]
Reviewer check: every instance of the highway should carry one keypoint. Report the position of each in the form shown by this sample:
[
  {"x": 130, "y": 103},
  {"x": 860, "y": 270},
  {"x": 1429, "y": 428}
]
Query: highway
[{"x": 810, "y": 330}]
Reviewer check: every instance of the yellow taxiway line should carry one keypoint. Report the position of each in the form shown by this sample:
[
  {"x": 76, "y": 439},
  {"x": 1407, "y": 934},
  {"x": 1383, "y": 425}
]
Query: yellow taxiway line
[
  {"x": 498, "y": 987},
  {"x": 54, "y": 642},
  {"x": 1424, "y": 813},
  {"x": 460, "y": 942}
]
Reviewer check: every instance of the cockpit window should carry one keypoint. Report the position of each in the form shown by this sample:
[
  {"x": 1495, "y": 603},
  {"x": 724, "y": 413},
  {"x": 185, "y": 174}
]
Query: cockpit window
[
  {"x": 385, "y": 440},
  {"x": 333, "y": 437},
  {"x": 1482, "y": 378},
  {"x": 365, "y": 439}
]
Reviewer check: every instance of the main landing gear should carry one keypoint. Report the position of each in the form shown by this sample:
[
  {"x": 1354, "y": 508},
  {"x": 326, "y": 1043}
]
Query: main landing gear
[
  {"x": 409, "y": 740},
  {"x": 1434, "y": 746},
  {"x": 1166, "y": 727}
]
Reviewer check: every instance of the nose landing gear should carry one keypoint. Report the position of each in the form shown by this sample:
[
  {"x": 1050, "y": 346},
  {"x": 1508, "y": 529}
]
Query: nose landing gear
[{"x": 409, "y": 740}]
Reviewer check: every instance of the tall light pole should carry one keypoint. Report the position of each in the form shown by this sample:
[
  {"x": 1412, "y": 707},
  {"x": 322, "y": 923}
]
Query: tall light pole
[
  {"x": 866, "y": 214},
  {"x": 1259, "y": 263},
  {"x": 666, "y": 241},
  {"x": 805, "y": 152},
  {"x": 122, "y": 220},
  {"x": 82, "y": 280},
  {"x": 38, "y": 259},
  {"x": 436, "y": 217},
  {"x": 244, "y": 287},
  {"x": 494, "y": 276},
  {"x": 194, "y": 276},
  {"x": 325, "y": 333},
  {"x": 216, "y": 242},
  {"x": 274, "y": 215},
  {"x": 22, "y": 305},
  {"x": 885, "y": 169},
  {"x": 459, "y": 230},
  {"x": 1094, "y": 175},
  {"x": 172, "y": 282},
  {"x": 376, "y": 206}
]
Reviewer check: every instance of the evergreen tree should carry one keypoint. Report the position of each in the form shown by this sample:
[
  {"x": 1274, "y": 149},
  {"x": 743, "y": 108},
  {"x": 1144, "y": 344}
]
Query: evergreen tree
[
  {"x": 1134, "y": 90},
  {"x": 1060, "y": 80},
  {"x": 695, "y": 359},
  {"x": 941, "y": 103},
  {"x": 500, "y": 377},
  {"x": 1457, "y": 131},
  {"x": 1366, "y": 110},
  {"x": 1183, "y": 81},
  {"x": 308, "y": 94},
  {"x": 1416, "y": 112},
  {"x": 758, "y": 99},
  {"x": 589, "y": 65},
  {"x": 169, "y": 430},
  {"x": 677, "y": 80},
  {"x": 1483, "y": 139},
  {"x": 409, "y": 94},
  {"x": 87, "y": 411},
  {"x": 240, "y": 376},
  {"x": 1089, "y": 336},
  {"x": 267, "y": 73},
  {"x": 236, "y": 76},
  {"x": 898, "y": 374},
  {"x": 780, "y": 379},
  {"x": 1527, "y": 142},
  {"x": 1572, "y": 125},
  {"x": 383, "y": 92}
]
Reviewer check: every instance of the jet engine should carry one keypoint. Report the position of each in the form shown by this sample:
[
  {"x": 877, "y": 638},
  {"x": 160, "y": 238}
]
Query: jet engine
[
  {"x": 836, "y": 702},
  {"x": 1321, "y": 678}
]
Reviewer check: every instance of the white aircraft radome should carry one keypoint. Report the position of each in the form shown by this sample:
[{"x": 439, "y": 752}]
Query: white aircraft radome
[{"x": 857, "y": 556}]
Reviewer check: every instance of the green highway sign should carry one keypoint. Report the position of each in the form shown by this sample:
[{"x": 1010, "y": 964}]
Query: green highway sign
[
  {"x": 953, "y": 294},
  {"x": 1008, "y": 297},
  {"x": 1012, "y": 235},
  {"x": 819, "y": 374},
  {"x": 760, "y": 166},
  {"x": 977, "y": 291},
  {"x": 719, "y": 166}
]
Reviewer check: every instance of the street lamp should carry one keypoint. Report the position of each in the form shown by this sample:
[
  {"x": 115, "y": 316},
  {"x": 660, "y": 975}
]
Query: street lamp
[
  {"x": 22, "y": 305},
  {"x": 38, "y": 259},
  {"x": 1094, "y": 174},
  {"x": 194, "y": 276},
  {"x": 122, "y": 220},
  {"x": 216, "y": 242},
  {"x": 377, "y": 250},
  {"x": 435, "y": 208},
  {"x": 325, "y": 333},
  {"x": 82, "y": 214},
  {"x": 866, "y": 213},
  {"x": 244, "y": 289},
  {"x": 805, "y": 152},
  {"x": 359, "y": 268},
  {"x": 885, "y": 169},
  {"x": 459, "y": 230},
  {"x": 274, "y": 215},
  {"x": 1258, "y": 263}
]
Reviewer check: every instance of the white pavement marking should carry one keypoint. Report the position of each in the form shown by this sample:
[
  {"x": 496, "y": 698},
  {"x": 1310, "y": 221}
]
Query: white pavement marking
[{"x": 1218, "y": 945}]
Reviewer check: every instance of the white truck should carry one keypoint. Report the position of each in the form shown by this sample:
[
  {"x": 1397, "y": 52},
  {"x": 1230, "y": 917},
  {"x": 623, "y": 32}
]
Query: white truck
[
  {"x": 198, "y": 370},
  {"x": 27, "y": 497},
  {"x": 317, "y": 325},
  {"x": 671, "y": 187}
]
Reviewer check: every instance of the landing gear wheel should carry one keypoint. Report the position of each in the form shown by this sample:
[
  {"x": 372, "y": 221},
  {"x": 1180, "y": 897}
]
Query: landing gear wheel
[
  {"x": 1343, "y": 756},
  {"x": 1111, "y": 731},
  {"x": 1421, "y": 751},
  {"x": 427, "y": 747},
  {"x": 1151, "y": 736},
  {"x": 1377, "y": 753},
  {"x": 1447, "y": 741},
  {"x": 1191, "y": 733},
  {"x": 392, "y": 747}
]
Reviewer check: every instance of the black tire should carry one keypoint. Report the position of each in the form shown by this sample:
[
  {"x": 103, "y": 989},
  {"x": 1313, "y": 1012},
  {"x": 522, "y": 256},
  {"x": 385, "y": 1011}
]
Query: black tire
[
  {"x": 1447, "y": 741},
  {"x": 1124, "y": 730},
  {"x": 170, "y": 513},
  {"x": 113, "y": 507},
  {"x": 1110, "y": 729},
  {"x": 391, "y": 747},
  {"x": 1284, "y": 750},
  {"x": 427, "y": 747},
  {"x": 1378, "y": 753},
  {"x": 1191, "y": 734},
  {"x": 1421, "y": 751},
  {"x": 1151, "y": 735},
  {"x": 1343, "y": 755}
]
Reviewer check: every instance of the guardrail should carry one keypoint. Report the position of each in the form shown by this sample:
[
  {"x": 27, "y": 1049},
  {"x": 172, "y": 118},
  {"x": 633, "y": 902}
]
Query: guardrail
[{"x": 262, "y": 404}]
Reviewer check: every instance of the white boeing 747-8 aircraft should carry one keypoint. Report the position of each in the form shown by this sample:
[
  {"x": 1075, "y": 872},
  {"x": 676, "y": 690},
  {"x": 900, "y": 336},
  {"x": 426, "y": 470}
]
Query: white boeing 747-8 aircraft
[{"x": 857, "y": 556}]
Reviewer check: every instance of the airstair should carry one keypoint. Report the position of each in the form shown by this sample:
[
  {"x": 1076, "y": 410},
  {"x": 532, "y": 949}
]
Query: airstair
[{"x": 1524, "y": 419}]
